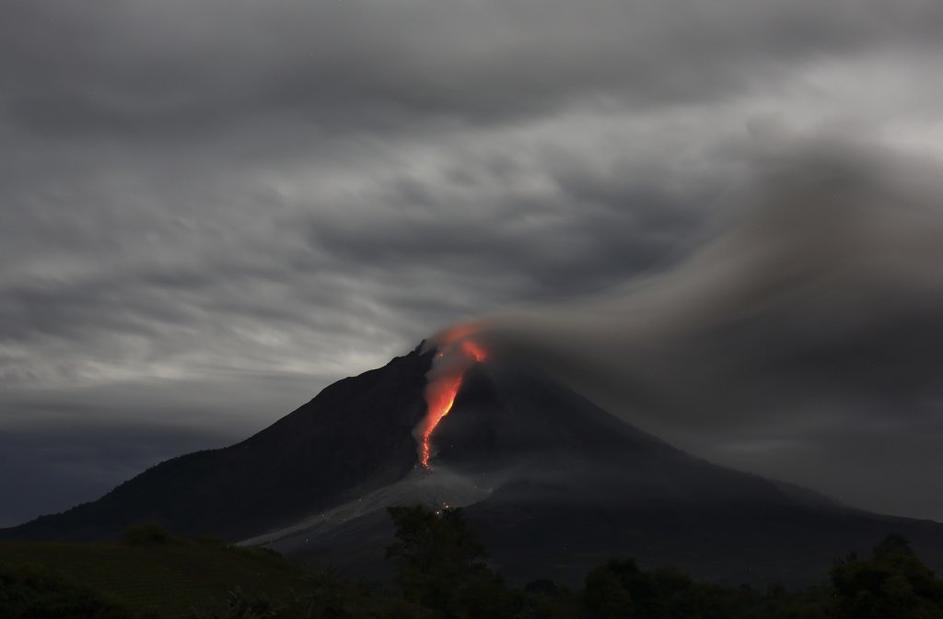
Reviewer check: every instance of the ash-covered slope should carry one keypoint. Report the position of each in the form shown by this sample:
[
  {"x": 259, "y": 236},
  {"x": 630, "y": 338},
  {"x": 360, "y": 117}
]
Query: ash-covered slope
[
  {"x": 555, "y": 486},
  {"x": 353, "y": 437}
]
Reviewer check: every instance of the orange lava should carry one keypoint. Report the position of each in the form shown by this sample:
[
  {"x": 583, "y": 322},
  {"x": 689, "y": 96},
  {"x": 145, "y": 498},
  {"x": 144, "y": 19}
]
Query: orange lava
[
  {"x": 474, "y": 351},
  {"x": 442, "y": 389},
  {"x": 440, "y": 396}
]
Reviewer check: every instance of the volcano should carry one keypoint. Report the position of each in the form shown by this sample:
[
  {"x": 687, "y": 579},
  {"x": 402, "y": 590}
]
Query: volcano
[{"x": 553, "y": 484}]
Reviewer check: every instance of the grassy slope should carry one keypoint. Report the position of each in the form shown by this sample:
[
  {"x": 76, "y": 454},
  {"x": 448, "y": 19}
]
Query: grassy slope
[{"x": 168, "y": 579}]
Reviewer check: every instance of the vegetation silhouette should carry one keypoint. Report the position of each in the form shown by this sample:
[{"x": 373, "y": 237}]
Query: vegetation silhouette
[
  {"x": 442, "y": 572},
  {"x": 35, "y": 593}
]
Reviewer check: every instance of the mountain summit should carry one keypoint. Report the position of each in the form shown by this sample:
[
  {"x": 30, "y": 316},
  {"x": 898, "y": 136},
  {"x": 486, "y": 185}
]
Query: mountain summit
[{"x": 554, "y": 484}]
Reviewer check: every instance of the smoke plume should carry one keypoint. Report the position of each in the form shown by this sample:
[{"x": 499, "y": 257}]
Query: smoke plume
[{"x": 804, "y": 341}]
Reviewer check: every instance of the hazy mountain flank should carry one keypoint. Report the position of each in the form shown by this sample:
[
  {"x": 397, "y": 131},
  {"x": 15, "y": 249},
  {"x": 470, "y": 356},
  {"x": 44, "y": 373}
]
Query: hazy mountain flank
[{"x": 553, "y": 484}]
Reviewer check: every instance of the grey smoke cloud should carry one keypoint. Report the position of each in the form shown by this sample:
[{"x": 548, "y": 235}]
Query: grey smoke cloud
[
  {"x": 151, "y": 69},
  {"x": 210, "y": 210},
  {"x": 803, "y": 342}
]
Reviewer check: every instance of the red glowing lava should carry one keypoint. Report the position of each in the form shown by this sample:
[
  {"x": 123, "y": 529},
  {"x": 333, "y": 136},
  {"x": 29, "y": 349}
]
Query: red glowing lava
[
  {"x": 440, "y": 395},
  {"x": 474, "y": 351},
  {"x": 454, "y": 357}
]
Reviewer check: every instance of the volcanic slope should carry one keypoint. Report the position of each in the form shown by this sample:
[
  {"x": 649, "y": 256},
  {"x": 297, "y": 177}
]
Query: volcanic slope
[
  {"x": 355, "y": 436},
  {"x": 555, "y": 486}
]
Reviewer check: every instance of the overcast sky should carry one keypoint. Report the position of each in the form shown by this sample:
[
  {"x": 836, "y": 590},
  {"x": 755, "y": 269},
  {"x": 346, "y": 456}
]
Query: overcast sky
[{"x": 210, "y": 209}]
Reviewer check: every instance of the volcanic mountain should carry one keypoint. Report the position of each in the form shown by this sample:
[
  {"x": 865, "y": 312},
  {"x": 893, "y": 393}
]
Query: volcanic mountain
[{"x": 553, "y": 484}]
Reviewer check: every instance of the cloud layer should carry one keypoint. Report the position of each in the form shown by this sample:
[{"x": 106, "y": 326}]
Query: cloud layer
[
  {"x": 254, "y": 199},
  {"x": 803, "y": 342}
]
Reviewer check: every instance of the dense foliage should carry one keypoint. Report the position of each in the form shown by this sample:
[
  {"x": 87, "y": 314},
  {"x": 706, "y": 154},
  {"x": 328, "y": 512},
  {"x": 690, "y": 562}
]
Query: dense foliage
[
  {"x": 165, "y": 579},
  {"x": 442, "y": 573},
  {"x": 33, "y": 593},
  {"x": 892, "y": 583}
]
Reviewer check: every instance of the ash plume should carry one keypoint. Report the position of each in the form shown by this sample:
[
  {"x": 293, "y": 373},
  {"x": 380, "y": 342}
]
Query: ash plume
[{"x": 804, "y": 341}]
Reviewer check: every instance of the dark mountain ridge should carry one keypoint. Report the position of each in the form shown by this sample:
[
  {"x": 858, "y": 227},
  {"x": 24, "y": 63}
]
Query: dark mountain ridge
[
  {"x": 554, "y": 484},
  {"x": 355, "y": 434}
]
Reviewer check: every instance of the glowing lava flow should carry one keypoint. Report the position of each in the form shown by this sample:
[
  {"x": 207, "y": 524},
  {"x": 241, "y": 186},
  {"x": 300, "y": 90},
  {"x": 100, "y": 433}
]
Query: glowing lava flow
[
  {"x": 446, "y": 379},
  {"x": 440, "y": 396},
  {"x": 474, "y": 351}
]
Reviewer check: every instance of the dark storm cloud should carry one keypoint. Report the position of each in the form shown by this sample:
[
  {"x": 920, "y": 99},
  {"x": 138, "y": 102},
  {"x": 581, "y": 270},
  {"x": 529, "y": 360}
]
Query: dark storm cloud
[
  {"x": 252, "y": 199},
  {"x": 57, "y": 466},
  {"x": 49, "y": 469},
  {"x": 146, "y": 67},
  {"x": 66, "y": 445},
  {"x": 539, "y": 244}
]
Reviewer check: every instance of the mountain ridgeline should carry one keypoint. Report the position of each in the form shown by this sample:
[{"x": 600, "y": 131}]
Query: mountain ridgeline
[
  {"x": 554, "y": 484},
  {"x": 356, "y": 434}
]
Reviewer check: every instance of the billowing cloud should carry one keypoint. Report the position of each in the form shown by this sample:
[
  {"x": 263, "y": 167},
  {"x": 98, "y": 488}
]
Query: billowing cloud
[
  {"x": 259, "y": 198},
  {"x": 803, "y": 342}
]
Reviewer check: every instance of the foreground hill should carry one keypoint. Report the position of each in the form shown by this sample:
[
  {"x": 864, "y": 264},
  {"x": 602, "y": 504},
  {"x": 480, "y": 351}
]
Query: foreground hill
[
  {"x": 166, "y": 580},
  {"x": 440, "y": 573}
]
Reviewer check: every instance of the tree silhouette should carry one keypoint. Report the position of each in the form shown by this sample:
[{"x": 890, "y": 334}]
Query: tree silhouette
[
  {"x": 892, "y": 583},
  {"x": 441, "y": 565}
]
